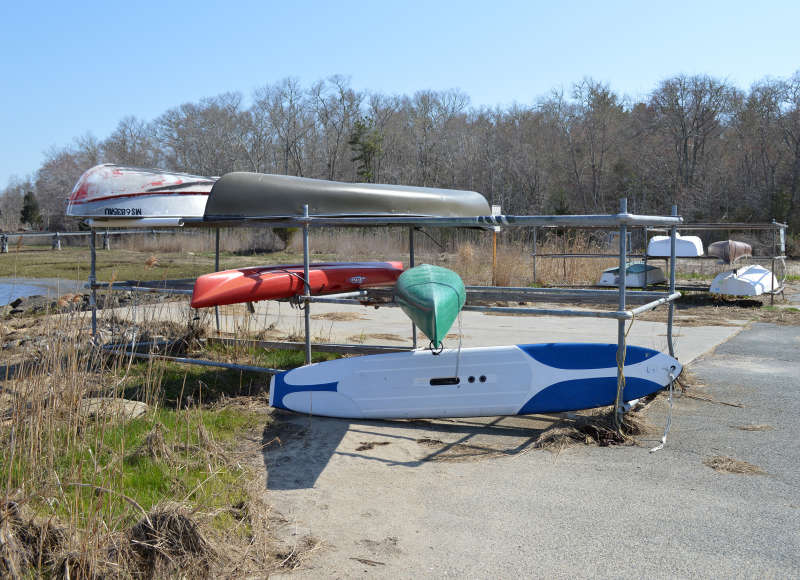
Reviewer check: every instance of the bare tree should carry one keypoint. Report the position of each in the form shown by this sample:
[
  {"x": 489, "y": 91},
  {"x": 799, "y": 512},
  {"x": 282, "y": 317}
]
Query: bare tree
[
  {"x": 288, "y": 112},
  {"x": 132, "y": 143},
  {"x": 790, "y": 126},
  {"x": 336, "y": 108},
  {"x": 58, "y": 174},
  {"x": 690, "y": 110},
  {"x": 11, "y": 201}
]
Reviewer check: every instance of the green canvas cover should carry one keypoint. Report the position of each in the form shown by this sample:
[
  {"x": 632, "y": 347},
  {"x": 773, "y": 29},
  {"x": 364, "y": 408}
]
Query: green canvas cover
[{"x": 432, "y": 297}]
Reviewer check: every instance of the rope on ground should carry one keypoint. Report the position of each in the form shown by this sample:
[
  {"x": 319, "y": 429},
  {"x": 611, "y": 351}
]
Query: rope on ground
[{"x": 669, "y": 413}]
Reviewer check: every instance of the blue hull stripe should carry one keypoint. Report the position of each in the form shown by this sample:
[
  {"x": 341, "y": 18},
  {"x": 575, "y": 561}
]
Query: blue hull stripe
[
  {"x": 282, "y": 388},
  {"x": 577, "y": 355},
  {"x": 585, "y": 394}
]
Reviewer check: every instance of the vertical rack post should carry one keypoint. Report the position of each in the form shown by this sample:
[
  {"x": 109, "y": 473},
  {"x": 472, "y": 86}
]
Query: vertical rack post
[
  {"x": 411, "y": 265},
  {"x": 644, "y": 259},
  {"x": 306, "y": 302},
  {"x": 494, "y": 256},
  {"x": 216, "y": 269},
  {"x": 623, "y": 239},
  {"x": 534, "y": 255},
  {"x": 673, "y": 232},
  {"x": 93, "y": 281},
  {"x": 772, "y": 269}
]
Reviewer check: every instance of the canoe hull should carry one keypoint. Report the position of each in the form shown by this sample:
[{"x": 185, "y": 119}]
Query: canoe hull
[
  {"x": 432, "y": 297},
  {"x": 258, "y": 195},
  {"x": 730, "y": 251},
  {"x": 284, "y": 281},
  {"x": 490, "y": 381}
]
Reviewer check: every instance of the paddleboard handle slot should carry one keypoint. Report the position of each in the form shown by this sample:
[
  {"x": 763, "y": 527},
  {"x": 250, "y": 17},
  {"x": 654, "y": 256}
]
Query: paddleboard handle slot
[{"x": 445, "y": 381}]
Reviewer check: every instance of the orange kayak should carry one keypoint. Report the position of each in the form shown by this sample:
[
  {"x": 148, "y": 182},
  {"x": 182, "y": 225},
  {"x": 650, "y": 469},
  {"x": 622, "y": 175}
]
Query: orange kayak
[{"x": 284, "y": 281}]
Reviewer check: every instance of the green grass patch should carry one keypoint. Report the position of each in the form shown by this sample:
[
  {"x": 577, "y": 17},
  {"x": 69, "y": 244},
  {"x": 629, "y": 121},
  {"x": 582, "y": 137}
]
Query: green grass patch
[
  {"x": 693, "y": 276},
  {"x": 72, "y": 263},
  {"x": 770, "y": 308},
  {"x": 166, "y": 456},
  {"x": 176, "y": 385},
  {"x": 277, "y": 358}
]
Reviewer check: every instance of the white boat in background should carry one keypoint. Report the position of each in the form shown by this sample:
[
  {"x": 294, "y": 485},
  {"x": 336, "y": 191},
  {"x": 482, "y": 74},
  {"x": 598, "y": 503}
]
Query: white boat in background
[
  {"x": 114, "y": 196},
  {"x": 752, "y": 280},
  {"x": 685, "y": 246},
  {"x": 637, "y": 275}
]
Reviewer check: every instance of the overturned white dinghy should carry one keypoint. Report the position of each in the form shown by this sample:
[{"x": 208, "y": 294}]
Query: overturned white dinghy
[
  {"x": 637, "y": 275},
  {"x": 750, "y": 280},
  {"x": 116, "y": 196},
  {"x": 685, "y": 247}
]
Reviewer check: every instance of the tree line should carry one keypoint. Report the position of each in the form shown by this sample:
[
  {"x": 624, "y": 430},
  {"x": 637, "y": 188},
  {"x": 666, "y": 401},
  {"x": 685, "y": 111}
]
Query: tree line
[{"x": 721, "y": 153}]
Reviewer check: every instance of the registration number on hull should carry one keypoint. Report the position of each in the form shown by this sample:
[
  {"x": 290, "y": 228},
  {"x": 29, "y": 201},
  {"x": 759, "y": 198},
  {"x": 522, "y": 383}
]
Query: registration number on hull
[{"x": 123, "y": 211}]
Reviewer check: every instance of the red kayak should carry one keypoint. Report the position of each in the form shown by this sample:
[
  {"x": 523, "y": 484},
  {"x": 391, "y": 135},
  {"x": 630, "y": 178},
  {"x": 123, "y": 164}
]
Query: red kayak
[{"x": 285, "y": 281}]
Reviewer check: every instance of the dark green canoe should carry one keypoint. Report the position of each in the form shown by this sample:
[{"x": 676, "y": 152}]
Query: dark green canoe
[{"x": 432, "y": 297}]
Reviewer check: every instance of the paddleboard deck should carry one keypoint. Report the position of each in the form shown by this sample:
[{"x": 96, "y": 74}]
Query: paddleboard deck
[
  {"x": 284, "y": 281},
  {"x": 474, "y": 382}
]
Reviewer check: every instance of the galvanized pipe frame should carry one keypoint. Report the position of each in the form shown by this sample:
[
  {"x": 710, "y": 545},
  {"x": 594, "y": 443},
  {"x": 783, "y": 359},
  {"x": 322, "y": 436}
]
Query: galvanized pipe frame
[
  {"x": 568, "y": 255},
  {"x": 737, "y": 226},
  {"x": 145, "y": 289},
  {"x": 621, "y": 220},
  {"x": 557, "y": 221},
  {"x": 105, "y": 231},
  {"x": 195, "y": 361},
  {"x": 566, "y": 312}
]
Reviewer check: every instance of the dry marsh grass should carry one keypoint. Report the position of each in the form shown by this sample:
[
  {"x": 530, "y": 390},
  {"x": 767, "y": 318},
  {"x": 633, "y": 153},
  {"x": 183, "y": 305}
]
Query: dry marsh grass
[
  {"x": 593, "y": 427},
  {"x": 105, "y": 495},
  {"x": 724, "y": 464}
]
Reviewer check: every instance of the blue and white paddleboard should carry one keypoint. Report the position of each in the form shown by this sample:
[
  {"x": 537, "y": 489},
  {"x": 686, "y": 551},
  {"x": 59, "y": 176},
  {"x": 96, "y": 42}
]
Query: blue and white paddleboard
[{"x": 475, "y": 382}]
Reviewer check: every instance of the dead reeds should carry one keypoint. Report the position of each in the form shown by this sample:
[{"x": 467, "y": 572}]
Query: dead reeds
[
  {"x": 724, "y": 464},
  {"x": 87, "y": 490},
  {"x": 594, "y": 427}
]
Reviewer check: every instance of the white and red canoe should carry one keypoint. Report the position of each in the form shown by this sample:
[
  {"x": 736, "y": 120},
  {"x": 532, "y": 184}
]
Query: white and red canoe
[
  {"x": 284, "y": 281},
  {"x": 113, "y": 195}
]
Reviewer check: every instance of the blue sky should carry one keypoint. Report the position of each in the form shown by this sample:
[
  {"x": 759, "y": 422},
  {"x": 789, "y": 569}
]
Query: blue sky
[{"x": 71, "y": 68}]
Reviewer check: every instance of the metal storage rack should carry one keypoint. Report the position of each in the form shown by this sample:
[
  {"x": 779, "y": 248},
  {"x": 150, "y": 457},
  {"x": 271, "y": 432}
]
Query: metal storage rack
[
  {"x": 778, "y": 255},
  {"x": 621, "y": 221}
]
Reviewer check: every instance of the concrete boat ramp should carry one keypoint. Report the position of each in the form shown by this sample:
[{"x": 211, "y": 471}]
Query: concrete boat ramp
[
  {"x": 336, "y": 323},
  {"x": 472, "y": 497}
]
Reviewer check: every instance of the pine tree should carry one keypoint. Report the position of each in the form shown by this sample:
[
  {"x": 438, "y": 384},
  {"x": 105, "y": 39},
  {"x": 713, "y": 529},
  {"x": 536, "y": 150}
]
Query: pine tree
[
  {"x": 367, "y": 144},
  {"x": 30, "y": 210}
]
